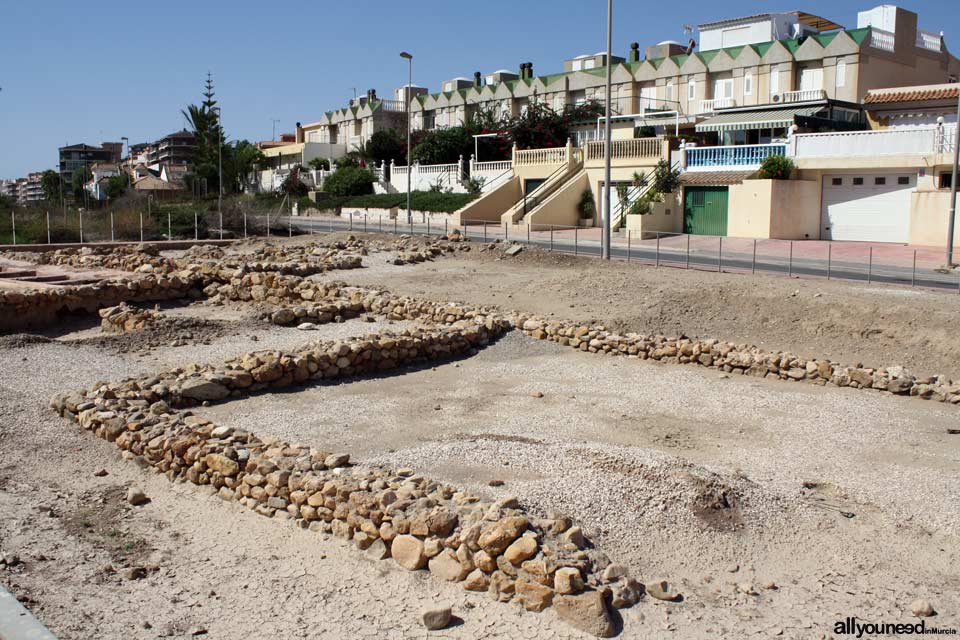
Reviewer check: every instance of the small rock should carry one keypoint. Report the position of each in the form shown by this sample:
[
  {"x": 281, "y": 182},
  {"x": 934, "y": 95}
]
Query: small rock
[
  {"x": 662, "y": 590},
  {"x": 747, "y": 588},
  {"x": 436, "y": 617},
  {"x": 568, "y": 581},
  {"x": 495, "y": 483},
  {"x": 921, "y": 608},
  {"x": 101, "y": 473},
  {"x": 134, "y": 573},
  {"x": 536, "y": 394},
  {"x": 136, "y": 496},
  {"x": 307, "y": 326},
  {"x": 11, "y": 559},
  {"x": 336, "y": 460}
]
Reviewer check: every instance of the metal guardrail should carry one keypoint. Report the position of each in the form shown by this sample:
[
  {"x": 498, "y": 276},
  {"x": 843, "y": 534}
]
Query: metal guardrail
[{"x": 873, "y": 264}]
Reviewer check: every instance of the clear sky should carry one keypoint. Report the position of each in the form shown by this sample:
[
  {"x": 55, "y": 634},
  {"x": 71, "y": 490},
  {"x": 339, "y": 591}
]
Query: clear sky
[{"x": 75, "y": 72}]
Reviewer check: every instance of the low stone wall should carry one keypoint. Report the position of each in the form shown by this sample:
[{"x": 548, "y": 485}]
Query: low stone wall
[
  {"x": 740, "y": 359},
  {"x": 144, "y": 258},
  {"x": 35, "y": 308},
  {"x": 124, "y": 318},
  {"x": 421, "y": 524}
]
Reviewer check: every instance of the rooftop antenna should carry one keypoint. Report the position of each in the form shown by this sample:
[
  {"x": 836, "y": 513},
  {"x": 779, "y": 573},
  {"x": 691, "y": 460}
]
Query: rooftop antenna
[{"x": 687, "y": 29}]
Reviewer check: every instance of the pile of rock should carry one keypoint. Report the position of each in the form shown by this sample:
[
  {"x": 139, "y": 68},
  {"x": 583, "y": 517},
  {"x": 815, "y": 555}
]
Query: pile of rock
[
  {"x": 421, "y": 524},
  {"x": 739, "y": 359},
  {"x": 125, "y": 318},
  {"x": 25, "y": 308},
  {"x": 143, "y": 258}
]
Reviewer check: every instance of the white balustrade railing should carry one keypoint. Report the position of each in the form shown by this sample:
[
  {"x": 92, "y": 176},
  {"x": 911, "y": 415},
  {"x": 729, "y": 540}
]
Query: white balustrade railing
[
  {"x": 528, "y": 157},
  {"x": 625, "y": 149},
  {"x": 804, "y": 95},
  {"x": 425, "y": 176},
  {"x": 882, "y": 40},
  {"x": 929, "y": 40},
  {"x": 393, "y": 105},
  {"x": 865, "y": 143},
  {"x": 746, "y": 155},
  {"x": 709, "y": 106},
  {"x": 496, "y": 165}
]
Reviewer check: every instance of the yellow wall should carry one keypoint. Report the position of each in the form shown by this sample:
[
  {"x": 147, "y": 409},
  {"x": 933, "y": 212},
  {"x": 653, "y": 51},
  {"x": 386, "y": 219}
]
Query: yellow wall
[
  {"x": 561, "y": 207},
  {"x": 665, "y": 217},
  {"x": 782, "y": 209},
  {"x": 492, "y": 204},
  {"x": 929, "y": 211}
]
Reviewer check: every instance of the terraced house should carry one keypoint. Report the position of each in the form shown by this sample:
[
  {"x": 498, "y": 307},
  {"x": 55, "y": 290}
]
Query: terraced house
[{"x": 756, "y": 86}]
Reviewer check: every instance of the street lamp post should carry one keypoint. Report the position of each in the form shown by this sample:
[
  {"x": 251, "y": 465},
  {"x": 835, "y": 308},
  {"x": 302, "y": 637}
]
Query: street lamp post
[
  {"x": 406, "y": 96},
  {"x": 219, "y": 170},
  {"x": 953, "y": 187},
  {"x": 607, "y": 222}
]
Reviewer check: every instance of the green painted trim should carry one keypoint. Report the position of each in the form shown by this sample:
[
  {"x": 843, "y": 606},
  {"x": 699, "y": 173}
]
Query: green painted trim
[
  {"x": 680, "y": 59},
  {"x": 858, "y": 35},
  {"x": 707, "y": 56},
  {"x": 762, "y": 48},
  {"x": 734, "y": 52},
  {"x": 791, "y": 44},
  {"x": 825, "y": 38}
]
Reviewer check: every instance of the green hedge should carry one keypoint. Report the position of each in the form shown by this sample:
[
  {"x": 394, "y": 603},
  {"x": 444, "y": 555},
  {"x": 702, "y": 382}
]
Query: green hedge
[{"x": 421, "y": 201}]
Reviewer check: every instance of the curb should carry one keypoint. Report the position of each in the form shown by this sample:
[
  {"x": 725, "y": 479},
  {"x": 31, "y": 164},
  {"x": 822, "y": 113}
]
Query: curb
[{"x": 17, "y": 623}]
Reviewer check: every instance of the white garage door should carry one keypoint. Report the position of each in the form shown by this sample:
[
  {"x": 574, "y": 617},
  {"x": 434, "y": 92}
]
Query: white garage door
[{"x": 867, "y": 207}]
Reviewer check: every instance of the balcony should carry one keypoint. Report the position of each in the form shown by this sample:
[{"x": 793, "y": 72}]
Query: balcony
[
  {"x": 709, "y": 106},
  {"x": 625, "y": 149},
  {"x": 882, "y": 40},
  {"x": 929, "y": 40},
  {"x": 804, "y": 95},
  {"x": 396, "y": 106},
  {"x": 849, "y": 144},
  {"x": 738, "y": 156}
]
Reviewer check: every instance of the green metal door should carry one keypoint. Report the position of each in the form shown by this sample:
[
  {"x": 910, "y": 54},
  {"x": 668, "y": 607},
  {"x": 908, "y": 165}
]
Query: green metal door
[{"x": 705, "y": 211}]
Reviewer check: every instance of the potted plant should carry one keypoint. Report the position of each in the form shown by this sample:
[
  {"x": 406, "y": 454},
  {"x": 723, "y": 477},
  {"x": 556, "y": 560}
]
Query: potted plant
[
  {"x": 586, "y": 208},
  {"x": 776, "y": 167}
]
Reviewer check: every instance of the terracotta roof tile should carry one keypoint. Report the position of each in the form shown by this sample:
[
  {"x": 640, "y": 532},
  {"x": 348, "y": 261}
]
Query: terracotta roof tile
[{"x": 912, "y": 94}]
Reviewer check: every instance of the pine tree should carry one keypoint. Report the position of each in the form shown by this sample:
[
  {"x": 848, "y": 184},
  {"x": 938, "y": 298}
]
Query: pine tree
[{"x": 209, "y": 103}]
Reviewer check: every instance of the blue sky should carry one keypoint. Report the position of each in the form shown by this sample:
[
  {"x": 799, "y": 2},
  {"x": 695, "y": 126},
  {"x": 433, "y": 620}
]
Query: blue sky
[{"x": 94, "y": 71}]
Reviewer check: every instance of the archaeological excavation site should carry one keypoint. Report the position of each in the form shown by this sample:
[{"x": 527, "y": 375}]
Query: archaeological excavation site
[{"x": 352, "y": 435}]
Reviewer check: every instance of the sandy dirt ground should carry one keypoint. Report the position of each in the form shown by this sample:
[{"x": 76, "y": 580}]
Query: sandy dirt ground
[{"x": 729, "y": 487}]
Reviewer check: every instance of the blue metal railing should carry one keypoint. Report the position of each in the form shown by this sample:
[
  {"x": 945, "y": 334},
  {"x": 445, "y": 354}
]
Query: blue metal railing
[{"x": 733, "y": 156}]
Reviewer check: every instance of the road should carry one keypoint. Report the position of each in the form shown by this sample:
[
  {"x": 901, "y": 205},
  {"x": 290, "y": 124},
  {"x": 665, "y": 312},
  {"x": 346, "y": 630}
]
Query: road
[{"x": 647, "y": 252}]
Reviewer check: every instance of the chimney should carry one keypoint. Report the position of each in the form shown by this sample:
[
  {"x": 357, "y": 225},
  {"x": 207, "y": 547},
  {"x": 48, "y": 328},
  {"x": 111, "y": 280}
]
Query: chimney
[
  {"x": 299, "y": 134},
  {"x": 634, "y": 52},
  {"x": 523, "y": 70},
  {"x": 476, "y": 79},
  {"x": 530, "y": 70},
  {"x": 371, "y": 95}
]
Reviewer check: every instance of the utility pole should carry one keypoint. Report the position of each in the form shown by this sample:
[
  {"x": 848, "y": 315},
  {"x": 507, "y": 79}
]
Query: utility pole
[
  {"x": 409, "y": 90},
  {"x": 607, "y": 223},
  {"x": 275, "y": 122},
  {"x": 951, "y": 223}
]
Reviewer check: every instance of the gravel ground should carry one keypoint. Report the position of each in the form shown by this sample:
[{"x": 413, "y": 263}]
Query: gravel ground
[{"x": 729, "y": 487}]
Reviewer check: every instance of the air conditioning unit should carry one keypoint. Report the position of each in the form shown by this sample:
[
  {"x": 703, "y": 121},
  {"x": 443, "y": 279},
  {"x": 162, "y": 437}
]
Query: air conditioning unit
[{"x": 777, "y": 98}]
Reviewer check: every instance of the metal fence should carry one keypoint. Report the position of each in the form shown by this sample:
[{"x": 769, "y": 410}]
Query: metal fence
[{"x": 896, "y": 265}]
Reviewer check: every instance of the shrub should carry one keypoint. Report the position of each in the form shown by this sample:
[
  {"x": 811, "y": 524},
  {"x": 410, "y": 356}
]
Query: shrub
[
  {"x": 776, "y": 168},
  {"x": 349, "y": 181},
  {"x": 319, "y": 164},
  {"x": 444, "y": 146},
  {"x": 585, "y": 205},
  {"x": 475, "y": 185},
  {"x": 666, "y": 179}
]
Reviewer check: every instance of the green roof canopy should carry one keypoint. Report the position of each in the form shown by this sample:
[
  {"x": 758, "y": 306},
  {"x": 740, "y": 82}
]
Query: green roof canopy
[{"x": 770, "y": 119}]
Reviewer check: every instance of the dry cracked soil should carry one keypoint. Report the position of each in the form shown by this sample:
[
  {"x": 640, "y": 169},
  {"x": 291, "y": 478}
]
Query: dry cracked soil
[{"x": 776, "y": 509}]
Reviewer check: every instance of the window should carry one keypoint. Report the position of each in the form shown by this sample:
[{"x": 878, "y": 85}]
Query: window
[
  {"x": 946, "y": 180},
  {"x": 811, "y": 79},
  {"x": 691, "y": 89},
  {"x": 668, "y": 93},
  {"x": 590, "y": 64},
  {"x": 879, "y": 181},
  {"x": 841, "y": 73},
  {"x": 748, "y": 84},
  {"x": 723, "y": 89},
  {"x": 903, "y": 180},
  {"x": 857, "y": 182},
  {"x": 774, "y": 81},
  {"x": 577, "y": 65},
  {"x": 837, "y": 182}
]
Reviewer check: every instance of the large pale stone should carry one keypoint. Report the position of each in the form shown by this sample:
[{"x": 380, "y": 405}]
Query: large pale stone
[
  {"x": 200, "y": 389},
  {"x": 447, "y": 567},
  {"x": 586, "y": 612},
  {"x": 533, "y": 596},
  {"x": 408, "y": 552},
  {"x": 221, "y": 464},
  {"x": 523, "y": 548},
  {"x": 567, "y": 581},
  {"x": 497, "y": 537}
]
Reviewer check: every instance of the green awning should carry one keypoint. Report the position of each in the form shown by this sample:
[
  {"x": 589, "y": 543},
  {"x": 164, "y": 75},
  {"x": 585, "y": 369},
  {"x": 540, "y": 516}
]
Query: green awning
[{"x": 770, "y": 119}]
